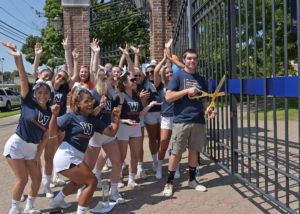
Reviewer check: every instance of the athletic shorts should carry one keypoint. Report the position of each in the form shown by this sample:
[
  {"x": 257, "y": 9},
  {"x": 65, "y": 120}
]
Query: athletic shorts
[
  {"x": 126, "y": 132},
  {"x": 166, "y": 122},
  {"x": 17, "y": 148},
  {"x": 100, "y": 139},
  {"x": 152, "y": 118},
  {"x": 188, "y": 135},
  {"x": 66, "y": 156}
]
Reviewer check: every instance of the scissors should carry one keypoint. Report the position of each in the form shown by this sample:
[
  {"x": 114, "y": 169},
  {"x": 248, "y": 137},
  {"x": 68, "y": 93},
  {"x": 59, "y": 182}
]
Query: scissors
[{"x": 213, "y": 96}]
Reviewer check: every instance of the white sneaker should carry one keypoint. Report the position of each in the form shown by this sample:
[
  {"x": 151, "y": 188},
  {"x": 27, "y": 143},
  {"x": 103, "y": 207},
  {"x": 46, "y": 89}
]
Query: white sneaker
[
  {"x": 177, "y": 174},
  {"x": 133, "y": 185},
  {"x": 154, "y": 166},
  {"x": 121, "y": 184},
  {"x": 142, "y": 174},
  {"x": 58, "y": 181},
  {"x": 117, "y": 198},
  {"x": 158, "y": 174},
  {"x": 99, "y": 185},
  {"x": 15, "y": 211},
  {"x": 52, "y": 185},
  {"x": 31, "y": 210},
  {"x": 48, "y": 192},
  {"x": 105, "y": 167},
  {"x": 60, "y": 204}
]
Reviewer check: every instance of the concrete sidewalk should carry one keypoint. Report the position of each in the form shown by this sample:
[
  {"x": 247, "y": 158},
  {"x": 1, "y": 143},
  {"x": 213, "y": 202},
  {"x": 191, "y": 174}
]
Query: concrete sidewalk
[{"x": 225, "y": 194}]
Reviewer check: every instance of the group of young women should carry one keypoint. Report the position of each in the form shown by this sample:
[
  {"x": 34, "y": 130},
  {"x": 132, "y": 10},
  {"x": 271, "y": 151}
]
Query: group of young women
[{"x": 109, "y": 107}]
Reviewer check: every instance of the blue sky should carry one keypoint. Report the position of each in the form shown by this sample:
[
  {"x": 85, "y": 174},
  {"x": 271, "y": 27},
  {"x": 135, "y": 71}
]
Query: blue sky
[{"x": 20, "y": 14}]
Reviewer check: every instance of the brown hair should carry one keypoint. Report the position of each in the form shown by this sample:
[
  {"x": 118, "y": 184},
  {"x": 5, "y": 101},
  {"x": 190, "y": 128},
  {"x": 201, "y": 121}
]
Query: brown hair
[
  {"x": 192, "y": 51},
  {"x": 77, "y": 97},
  {"x": 66, "y": 84},
  {"x": 85, "y": 66}
]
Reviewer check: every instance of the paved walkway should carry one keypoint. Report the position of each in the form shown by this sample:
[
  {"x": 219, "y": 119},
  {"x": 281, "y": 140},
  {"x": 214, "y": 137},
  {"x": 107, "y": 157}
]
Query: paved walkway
[{"x": 225, "y": 194}]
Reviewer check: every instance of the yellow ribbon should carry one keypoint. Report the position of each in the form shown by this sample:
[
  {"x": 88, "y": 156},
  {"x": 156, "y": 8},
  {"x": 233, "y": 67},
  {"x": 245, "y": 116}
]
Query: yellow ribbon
[{"x": 213, "y": 96}]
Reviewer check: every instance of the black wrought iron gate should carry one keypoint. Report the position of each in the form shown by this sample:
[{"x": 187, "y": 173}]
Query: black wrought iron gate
[{"x": 254, "y": 43}]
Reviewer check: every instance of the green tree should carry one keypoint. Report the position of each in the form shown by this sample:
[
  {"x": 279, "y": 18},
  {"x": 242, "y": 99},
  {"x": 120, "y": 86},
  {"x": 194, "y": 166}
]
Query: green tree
[{"x": 53, "y": 53}]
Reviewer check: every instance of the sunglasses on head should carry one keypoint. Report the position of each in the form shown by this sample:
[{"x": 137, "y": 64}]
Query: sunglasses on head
[
  {"x": 149, "y": 72},
  {"x": 61, "y": 76},
  {"x": 133, "y": 80}
]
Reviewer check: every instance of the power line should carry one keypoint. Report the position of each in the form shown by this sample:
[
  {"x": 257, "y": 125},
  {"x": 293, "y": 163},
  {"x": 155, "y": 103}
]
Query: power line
[
  {"x": 13, "y": 28},
  {"x": 12, "y": 38},
  {"x": 12, "y": 33},
  {"x": 17, "y": 19}
]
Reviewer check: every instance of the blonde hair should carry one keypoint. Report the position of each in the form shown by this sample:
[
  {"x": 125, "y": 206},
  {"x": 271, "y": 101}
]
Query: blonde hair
[
  {"x": 77, "y": 97},
  {"x": 101, "y": 86}
]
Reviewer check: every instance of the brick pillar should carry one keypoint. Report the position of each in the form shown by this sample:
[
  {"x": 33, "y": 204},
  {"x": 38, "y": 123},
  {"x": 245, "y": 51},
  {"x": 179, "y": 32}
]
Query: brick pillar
[
  {"x": 76, "y": 27},
  {"x": 160, "y": 26}
]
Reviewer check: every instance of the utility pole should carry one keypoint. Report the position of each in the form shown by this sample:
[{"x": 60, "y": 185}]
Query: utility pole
[{"x": 2, "y": 60}]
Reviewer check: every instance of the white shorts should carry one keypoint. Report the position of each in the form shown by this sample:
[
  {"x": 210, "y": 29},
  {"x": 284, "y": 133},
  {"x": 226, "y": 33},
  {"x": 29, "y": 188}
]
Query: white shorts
[
  {"x": 125, "y": 132},
  {"x": 65, "y": 156},
  {"x": 166, "y": 122},
  {"x": 17, "y": 148},
  {"x": 100, "y": 139},
  {"x": 152, "y": 118},
  {"x": 142, "y": 124}
]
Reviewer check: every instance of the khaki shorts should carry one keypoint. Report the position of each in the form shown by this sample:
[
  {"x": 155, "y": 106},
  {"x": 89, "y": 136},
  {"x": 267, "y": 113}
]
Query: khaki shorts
[{"x": 188, "y": 135}]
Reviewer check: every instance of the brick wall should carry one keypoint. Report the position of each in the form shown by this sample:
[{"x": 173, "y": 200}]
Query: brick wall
[
  {"x": 160, "y": 26},
  {"x": 77, "y": 29}
]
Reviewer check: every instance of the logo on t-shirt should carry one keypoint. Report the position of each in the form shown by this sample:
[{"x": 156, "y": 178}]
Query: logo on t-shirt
[
  {"x": 87, "y": 128},
  {"x": 57, "y": 97},
  {"x": 189, "y": 83},
  {"x": 134, "y": 106},
  {"x": 107, "y": 106},
  {"x": 43, "y": 119}
]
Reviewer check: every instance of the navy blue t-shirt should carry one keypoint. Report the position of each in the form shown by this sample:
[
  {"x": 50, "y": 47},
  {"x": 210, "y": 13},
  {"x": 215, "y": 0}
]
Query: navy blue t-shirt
[
  {"x": 147, "y": 85},
  {"x": 34, "y": 120},
  {"x": 60, "y": 96},
  {"x": 167, "y": 109},
  {"x": 131, "y": 107},
  {"x": 105, "y": 113},
  {"x": 79, "y": 129},
  {"x": 113, "y": 93},
  {"x": 185, "y": 109}
]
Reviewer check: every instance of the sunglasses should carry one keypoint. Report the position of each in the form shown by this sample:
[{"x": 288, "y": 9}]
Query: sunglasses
[
  {"x": 91, "y": 101},
  {"x": 149, "y": 72},
  {"x": 133, "y": 80},
  {"x": 61, "y": 77},
  {"x": 137, "y": 76}
]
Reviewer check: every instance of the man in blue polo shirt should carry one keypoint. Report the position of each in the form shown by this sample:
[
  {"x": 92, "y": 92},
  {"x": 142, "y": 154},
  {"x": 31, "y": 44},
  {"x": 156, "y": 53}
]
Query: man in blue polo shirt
[{"x": 189, "y": 123}]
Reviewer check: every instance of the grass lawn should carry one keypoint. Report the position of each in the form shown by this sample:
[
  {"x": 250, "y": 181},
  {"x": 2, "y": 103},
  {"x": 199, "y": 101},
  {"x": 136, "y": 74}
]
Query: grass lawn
[
  {"x": 280, "y": 111},
  {"x": 9, "y": 113}
]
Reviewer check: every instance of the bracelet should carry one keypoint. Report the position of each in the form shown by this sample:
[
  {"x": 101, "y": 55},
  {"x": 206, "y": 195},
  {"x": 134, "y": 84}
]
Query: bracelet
[
  {"x": 52, "y": 137},
  {"x": 120, "y": 104}
]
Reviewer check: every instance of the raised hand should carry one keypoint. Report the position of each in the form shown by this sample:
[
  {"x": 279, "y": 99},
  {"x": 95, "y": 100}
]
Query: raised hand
[
  {"x": 94, "y": 45},
  {"x": 169, "y": 43},
  {"x": 103, "y": 101},
  {"x": 13, "y": 48},
  {"x": 38, "y": 49},
  {"x": 55, "y": 109},
  {"x": 134, "y": 49},
  {"x": 65, "y": 43},
  {"x": 75, "y": 53}
]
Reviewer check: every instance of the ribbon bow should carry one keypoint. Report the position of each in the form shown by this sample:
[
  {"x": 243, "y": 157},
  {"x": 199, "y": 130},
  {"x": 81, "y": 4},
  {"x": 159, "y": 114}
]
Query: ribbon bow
[
  {"x": 42, "y": 68},
  {"x": 80, "y": 87},
  {"x": 103, "y": 68},
  {"x": 49, "y": 83}
]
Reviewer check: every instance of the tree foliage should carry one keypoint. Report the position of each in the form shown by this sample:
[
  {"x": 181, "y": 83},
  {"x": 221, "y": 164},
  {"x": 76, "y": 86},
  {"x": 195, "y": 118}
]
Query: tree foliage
[{"x": 53, "y": 53}]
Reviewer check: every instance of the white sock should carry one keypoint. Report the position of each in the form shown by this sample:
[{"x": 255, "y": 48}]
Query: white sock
[
  {"x": 131, "y": 177},
  {"x": 47, "y": 180},
  {"x": 15, "y": 205},
  {"x": 60, "y": 196},
  {"x": 113, "y": 188},
  {"x": 30, "y": 201},
  {"x": 140, "y": 166},
  {"x": 177, "y": 169},
  {"x": 154, "y": 157},
  {"x": 82, "y": 210},
  {"x": 55, "y": 175},
  {"x": 98, "y": 174},
  {"x": 159, "y": 163}
]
